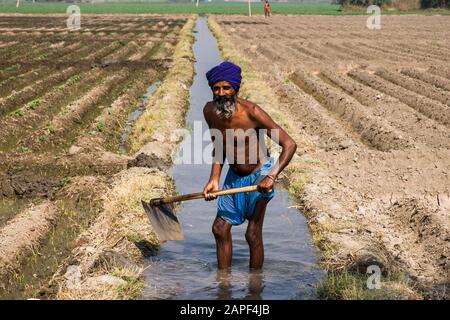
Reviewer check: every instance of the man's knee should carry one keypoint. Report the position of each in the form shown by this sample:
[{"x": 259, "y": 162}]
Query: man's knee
[
  {"x": 253, "y": 235},
  {"x": 220, "y": 229}
]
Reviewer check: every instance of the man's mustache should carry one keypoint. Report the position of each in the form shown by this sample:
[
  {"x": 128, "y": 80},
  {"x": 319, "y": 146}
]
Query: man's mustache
[{"x": 220, "y": 100}]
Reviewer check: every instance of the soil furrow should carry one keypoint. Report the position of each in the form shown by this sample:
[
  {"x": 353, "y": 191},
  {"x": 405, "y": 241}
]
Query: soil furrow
[
  {"x": 375, "y": 131},
  {"x": 114, "y": 118},
  {"x": 440, "y": 71},
  {"x": 432, "y": 79},
  {"x": 23, "y": 233},
  {"x": 432, "y": 109},
  {"x": 14, "y": 127},
  {"x": 26, "y": 94},
  {"x": 421, "y": 129},
  {"x": 415, "y": 86},
  {"x": 31, "y": 175},
  {"x": 72, "y": 116}
]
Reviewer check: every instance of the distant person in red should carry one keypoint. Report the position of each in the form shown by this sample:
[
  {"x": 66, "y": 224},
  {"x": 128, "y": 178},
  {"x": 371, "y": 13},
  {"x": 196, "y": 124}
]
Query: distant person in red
[{"x": 267, "y": 9}]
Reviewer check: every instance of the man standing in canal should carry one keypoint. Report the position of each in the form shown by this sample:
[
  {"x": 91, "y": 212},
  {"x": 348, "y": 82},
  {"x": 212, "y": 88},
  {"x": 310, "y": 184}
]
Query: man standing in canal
[{"x": 237, "y": 129}]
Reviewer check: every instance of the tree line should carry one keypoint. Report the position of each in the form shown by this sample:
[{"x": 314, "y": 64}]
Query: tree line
[{"x": 424, "y": 4}]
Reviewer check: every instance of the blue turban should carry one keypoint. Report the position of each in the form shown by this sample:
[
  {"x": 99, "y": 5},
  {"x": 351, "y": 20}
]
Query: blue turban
[{"x": 226, "y": 71}]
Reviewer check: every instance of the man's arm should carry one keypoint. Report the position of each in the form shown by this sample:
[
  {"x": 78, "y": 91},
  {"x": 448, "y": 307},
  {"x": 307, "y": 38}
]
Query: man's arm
[
  {"x": 264, "y": 121},
  {"x": 216, "y": 167}
]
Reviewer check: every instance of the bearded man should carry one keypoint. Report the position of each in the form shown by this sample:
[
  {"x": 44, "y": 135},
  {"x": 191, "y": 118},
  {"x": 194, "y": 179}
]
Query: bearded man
[{"x": 249, "y": 162}]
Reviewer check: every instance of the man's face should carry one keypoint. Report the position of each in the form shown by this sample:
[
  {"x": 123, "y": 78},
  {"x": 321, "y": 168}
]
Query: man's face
[{"x": 224, "y": 99}]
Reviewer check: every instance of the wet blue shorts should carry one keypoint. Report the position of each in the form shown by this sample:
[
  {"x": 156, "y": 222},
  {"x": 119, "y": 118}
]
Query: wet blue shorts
[{"x": 235, "y": 208}]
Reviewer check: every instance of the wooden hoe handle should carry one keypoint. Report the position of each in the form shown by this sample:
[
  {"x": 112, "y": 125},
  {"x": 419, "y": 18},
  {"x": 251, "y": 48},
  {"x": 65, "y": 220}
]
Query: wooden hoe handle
[{"x": 199, "y": 195}]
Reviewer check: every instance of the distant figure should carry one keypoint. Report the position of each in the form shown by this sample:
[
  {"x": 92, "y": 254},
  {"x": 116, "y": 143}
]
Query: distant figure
[{"x": 267, "y": 9}]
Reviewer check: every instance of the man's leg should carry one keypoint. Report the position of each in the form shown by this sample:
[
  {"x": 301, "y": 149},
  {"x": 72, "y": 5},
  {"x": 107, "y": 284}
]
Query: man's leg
[
  {"x": 254, "y": 234},
  {"x": 224, "y": 245}
]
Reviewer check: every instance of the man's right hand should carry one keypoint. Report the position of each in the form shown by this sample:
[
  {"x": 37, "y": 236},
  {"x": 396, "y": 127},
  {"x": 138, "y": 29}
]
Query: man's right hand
[{"x": 210, "y": 187}]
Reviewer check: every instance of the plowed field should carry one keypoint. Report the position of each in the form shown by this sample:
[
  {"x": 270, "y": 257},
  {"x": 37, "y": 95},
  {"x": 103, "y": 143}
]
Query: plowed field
[
  {"x": 65, "y": 100},
  {"x": 375, "y": 108}
]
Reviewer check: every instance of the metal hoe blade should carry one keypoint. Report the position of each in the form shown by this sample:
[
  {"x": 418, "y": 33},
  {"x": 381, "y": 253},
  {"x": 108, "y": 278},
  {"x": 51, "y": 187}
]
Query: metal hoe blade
[{"x": 164, "y": 222}]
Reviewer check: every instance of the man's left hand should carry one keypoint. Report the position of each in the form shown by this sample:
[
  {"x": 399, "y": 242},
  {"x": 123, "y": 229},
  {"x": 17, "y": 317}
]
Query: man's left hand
[{"x": 266, "y": 185}]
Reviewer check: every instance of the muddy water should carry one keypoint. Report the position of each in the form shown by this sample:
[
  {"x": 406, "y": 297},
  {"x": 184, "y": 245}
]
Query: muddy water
[
  {"x": 134, "y": 116},
  {"x": 188, "y": 269}
]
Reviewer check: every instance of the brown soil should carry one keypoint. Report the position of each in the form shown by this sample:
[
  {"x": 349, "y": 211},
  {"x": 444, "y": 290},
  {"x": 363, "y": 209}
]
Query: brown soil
[
  {"x": 428, "y": 78},
  {"x": 377, "y": 151},
  {"x": 76, "y": 162},
  {"x": 25, "y": 95},
  {"x": 114, "y": 116},
  {"x": 28, "y": 184},
  {"x": 24, "y": 232},
  {"x": 431, "y": 108}
]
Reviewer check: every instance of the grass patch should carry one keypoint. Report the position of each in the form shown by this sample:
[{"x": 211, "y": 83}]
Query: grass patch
[
  {"x": 134, "y": 287},
  {"x": 129, "y": 291},
  {"x": 352, "y": 286},
  {"x": 299, "y": 179}
]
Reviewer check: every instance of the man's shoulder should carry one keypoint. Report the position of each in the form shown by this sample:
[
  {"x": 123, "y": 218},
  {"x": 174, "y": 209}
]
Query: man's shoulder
[
  {"x": 208, "y": 107},
  {"x": 208, "y": 111},
  {"x": 249, "y": 106}
]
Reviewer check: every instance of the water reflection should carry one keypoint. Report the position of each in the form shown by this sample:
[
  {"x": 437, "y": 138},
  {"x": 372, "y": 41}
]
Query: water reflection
[{"x": 255, "y": 285}]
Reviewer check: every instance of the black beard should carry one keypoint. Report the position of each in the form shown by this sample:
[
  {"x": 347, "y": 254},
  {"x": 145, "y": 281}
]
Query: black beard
[{"x": 225, "y": 105}]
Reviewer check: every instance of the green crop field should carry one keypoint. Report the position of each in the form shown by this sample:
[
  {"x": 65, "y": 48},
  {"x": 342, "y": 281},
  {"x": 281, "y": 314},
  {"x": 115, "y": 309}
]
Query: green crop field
[
  {"x": 161, "y": 7},
  {"x": 165, "y": 7},
  {"x": 173, "y": 8}
]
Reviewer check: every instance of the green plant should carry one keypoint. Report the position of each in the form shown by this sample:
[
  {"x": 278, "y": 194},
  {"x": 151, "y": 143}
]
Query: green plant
[
  {"x": 33, "y": 104},
  {"x": 50, "y": 128},
  {"x": 69, "y": 81},
  {"x": 14, "y": 66},
  {"x": 66, "y": 180},
  {"x": 100, "y": 126},
  {"x": 73, "y": 79},
  {"x": 18, "y": 113},
  {"x": 24, "y": 149}
]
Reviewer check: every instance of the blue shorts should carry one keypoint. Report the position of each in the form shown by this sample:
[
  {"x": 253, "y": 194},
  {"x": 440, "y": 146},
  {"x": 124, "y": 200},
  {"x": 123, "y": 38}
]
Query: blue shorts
[{"x": 235, "y": 208}]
